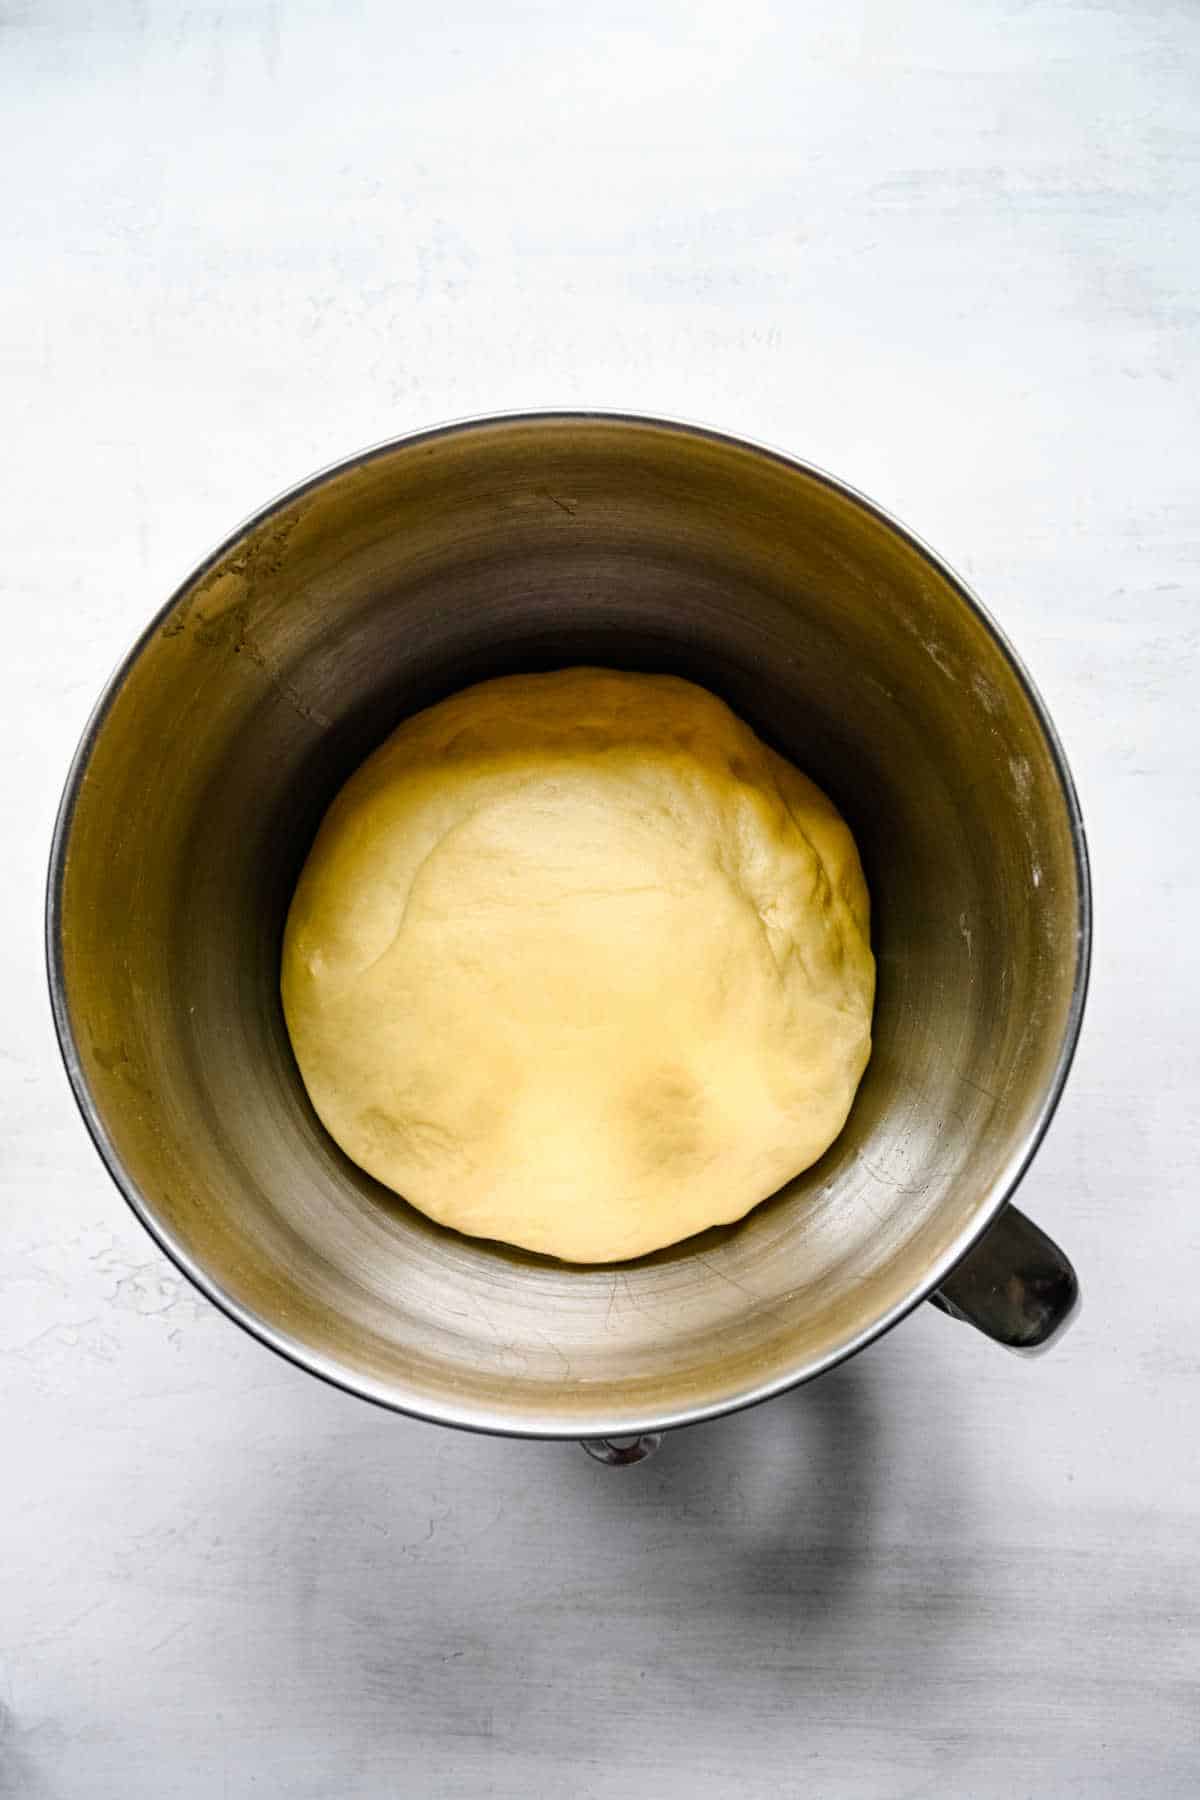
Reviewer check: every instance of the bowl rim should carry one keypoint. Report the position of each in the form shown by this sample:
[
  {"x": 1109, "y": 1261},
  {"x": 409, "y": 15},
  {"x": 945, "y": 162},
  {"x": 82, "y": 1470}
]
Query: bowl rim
[{"x": 556, "y": 1424}]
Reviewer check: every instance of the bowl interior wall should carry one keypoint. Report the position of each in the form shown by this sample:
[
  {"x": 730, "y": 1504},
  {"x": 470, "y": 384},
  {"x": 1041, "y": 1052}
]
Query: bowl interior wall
[{"x": 531, "y": 544}]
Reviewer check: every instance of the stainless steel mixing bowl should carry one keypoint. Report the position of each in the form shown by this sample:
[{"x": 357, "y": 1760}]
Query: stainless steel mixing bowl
[{"x": 527, "y": 543}]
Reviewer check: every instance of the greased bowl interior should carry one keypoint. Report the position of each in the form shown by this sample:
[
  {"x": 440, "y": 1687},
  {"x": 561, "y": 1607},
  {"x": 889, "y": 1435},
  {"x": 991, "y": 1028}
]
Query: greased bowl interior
[{"x": 531, "y": 543}]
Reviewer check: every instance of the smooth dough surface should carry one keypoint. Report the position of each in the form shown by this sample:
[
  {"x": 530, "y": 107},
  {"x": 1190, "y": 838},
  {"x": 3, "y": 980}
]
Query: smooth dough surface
[{"x": 577, "y": 962}]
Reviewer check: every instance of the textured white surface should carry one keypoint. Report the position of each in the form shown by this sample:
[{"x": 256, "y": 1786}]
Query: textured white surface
[{"x": 952, "y": 252}]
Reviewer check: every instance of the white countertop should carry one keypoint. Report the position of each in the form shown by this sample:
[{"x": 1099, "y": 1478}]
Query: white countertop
[{"x": 951, "y": 252}]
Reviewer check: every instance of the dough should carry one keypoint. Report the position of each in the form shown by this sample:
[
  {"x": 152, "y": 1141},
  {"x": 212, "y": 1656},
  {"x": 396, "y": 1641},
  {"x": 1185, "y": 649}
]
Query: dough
[{"x": 577, "y": 962}]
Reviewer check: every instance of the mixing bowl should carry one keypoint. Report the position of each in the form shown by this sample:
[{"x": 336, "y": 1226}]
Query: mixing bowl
[{"x": 537, "y": 542}]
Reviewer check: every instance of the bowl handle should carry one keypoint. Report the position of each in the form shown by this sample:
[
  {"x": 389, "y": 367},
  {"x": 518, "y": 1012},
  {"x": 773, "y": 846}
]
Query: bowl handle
[{"x": 1015, "y": 1286}]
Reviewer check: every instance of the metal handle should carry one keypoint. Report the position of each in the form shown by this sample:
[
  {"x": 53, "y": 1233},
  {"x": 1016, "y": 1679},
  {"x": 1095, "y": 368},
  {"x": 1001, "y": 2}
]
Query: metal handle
[
  {"x": 619, "y": 1456},
  {"x": 1015, "y": 1286}
]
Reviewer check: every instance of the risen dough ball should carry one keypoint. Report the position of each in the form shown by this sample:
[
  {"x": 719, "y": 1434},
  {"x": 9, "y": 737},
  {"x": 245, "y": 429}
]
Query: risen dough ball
[{"x": 577, "y": 962}]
